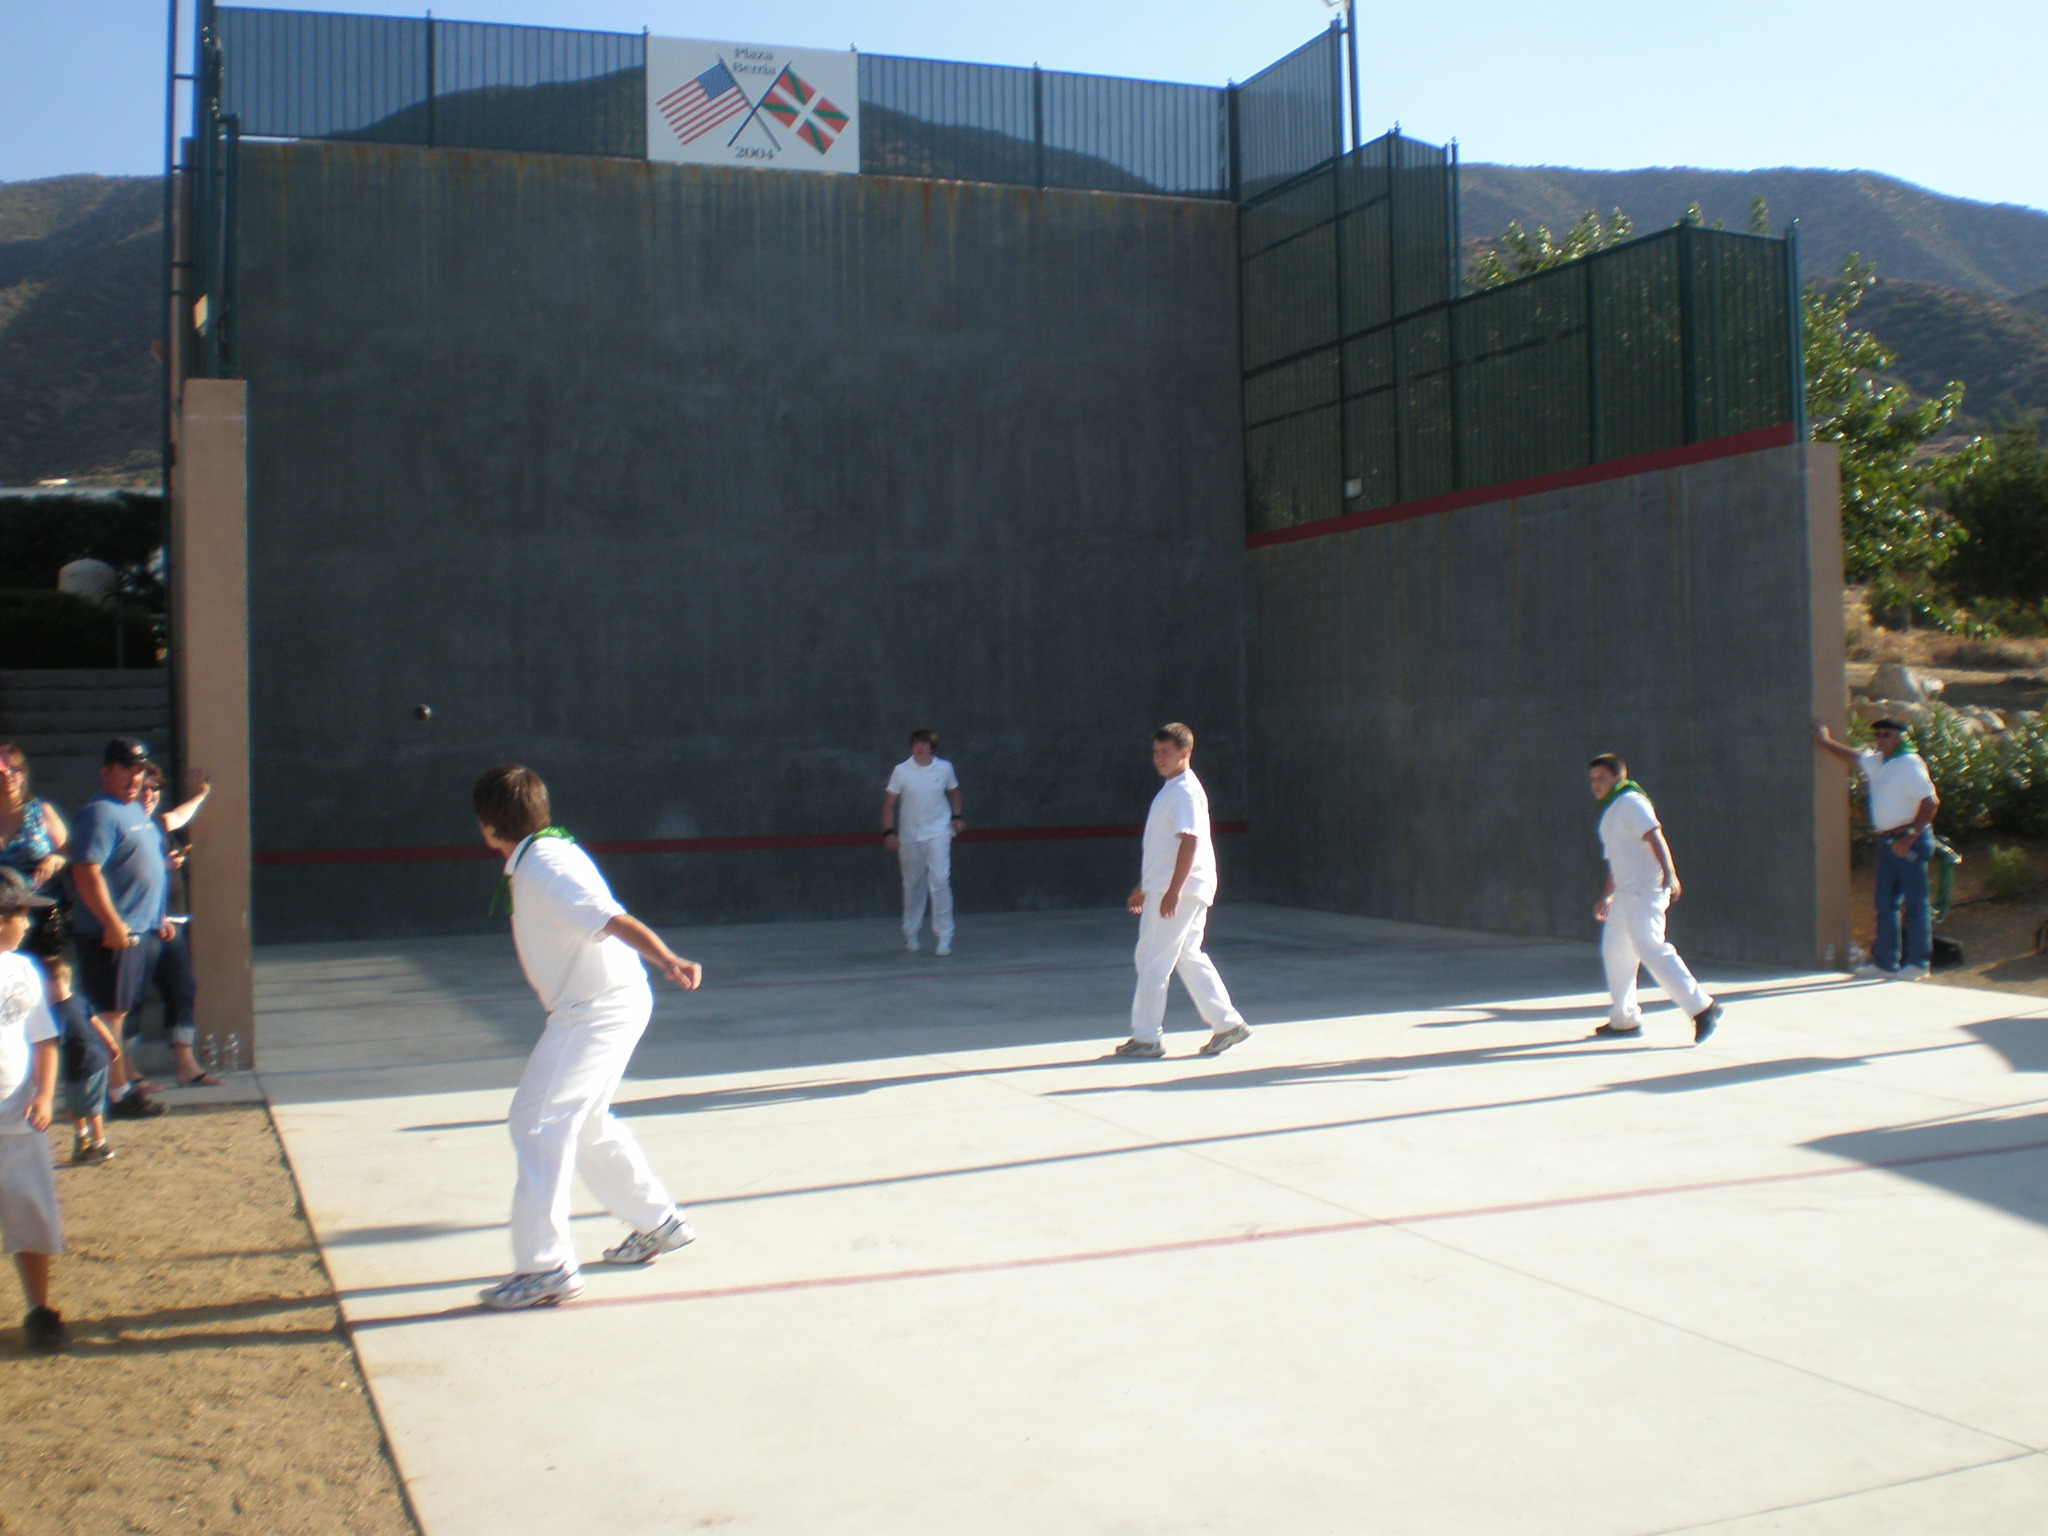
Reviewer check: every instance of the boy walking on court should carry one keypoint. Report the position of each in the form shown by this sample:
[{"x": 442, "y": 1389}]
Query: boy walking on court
[
  {"x": 1176, "y": 887},
  {"x": 581, "y": 953},
  {"x": 1642, "y": 883},
  {"x": 915, "y": 824},
  {"x": 87, "y": 1051},
  {"x": 28, "y": 1088}
]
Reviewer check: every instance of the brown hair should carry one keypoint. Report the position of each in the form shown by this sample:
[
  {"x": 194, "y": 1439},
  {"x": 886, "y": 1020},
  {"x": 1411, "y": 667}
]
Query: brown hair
[
  {"x": 927, "y": 735},
  {"x": 1178, "y": 734},
  {"x": 1612, "y": 762},
  {"x": 17, "y": 760},
  {"x": 511, "y": 800}
]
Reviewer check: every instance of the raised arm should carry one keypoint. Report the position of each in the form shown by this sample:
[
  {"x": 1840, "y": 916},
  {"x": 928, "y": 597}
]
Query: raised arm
[
  {"x": 1840, "y": 750},
  {"x": 178, "y": 816}
]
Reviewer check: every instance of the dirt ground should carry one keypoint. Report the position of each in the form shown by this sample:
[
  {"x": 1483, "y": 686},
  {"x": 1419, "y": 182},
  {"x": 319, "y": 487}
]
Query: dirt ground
[
  {"x": 1999, "y": 938},
  {"x": 208, "y": 1387}
]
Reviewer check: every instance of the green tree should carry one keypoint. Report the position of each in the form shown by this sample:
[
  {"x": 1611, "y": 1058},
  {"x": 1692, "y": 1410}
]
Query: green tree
[
  {"x": 1518, "y": 253},
  {"x": 2002, "y": 507},
  {"x": 1889, "y": 474}
]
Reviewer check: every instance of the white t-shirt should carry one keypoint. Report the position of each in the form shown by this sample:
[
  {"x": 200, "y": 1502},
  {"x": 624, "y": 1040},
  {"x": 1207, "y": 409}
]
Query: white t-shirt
[
  {"x": 24, "y": 1022},
  {"x": 560, "y": 905},
  {"x": 1629, "y": 859},
  {"x": 922, "y": 810},
  {"x": 1180, "y": 807},
  {"x": 1897, "y": 786}
]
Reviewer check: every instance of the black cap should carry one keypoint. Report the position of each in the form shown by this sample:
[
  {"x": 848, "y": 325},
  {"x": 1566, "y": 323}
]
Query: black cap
[
  {"x": 124, "y": 752},
  {"x": 16, "y": 894},
  {"x": 1889, "y": 724}
]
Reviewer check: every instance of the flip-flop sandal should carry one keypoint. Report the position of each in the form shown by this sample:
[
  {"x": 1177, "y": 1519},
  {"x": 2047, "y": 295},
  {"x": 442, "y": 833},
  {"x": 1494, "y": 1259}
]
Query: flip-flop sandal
[{"x": 203, "y": 1080}]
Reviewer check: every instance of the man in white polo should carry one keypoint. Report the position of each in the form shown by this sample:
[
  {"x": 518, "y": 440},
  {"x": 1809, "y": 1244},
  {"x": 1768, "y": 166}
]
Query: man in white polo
[
  {"x": 920, "y": 817},
  {"x": 1902, "y": 808},
  {"x": 1176, "y": 887}
]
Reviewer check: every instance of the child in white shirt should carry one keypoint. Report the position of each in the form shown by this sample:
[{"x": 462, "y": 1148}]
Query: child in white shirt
[
  {"x": 28, "y": 1088},
  {"x": 581, "y": 953},
  {"x": 915, "y": 824}
]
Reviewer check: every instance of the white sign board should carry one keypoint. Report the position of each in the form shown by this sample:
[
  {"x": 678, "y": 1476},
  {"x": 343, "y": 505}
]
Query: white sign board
[{"x": 784, "y": 109}]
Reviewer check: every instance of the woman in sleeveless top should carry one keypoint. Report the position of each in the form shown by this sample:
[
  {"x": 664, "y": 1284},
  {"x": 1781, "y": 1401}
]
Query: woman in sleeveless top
[{"x": 32, "y": 835}]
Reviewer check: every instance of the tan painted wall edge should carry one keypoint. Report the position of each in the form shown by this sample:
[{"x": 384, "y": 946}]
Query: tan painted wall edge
[{"x": 1823, "y": 476}]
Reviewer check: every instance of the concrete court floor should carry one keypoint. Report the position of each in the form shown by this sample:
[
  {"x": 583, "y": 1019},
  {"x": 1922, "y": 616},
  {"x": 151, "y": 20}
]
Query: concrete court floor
[{"x": 1418, "y": 1257}]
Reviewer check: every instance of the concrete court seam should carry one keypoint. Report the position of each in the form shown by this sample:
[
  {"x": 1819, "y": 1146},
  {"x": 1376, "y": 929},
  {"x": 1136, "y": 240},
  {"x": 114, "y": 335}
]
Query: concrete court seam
[
  {"x": 1837, "y": 1498},
  {"x": 1411, "y": 1225},
  {"x": 384, "y": 1440}
]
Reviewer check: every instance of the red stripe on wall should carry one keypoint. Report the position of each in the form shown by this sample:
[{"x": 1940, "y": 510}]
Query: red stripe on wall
[
  {"x": 1535, "y": 485},
  {"x": 285, "y": 858}
]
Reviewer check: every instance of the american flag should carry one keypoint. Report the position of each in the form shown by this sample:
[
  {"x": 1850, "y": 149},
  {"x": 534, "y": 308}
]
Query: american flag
[{"x": 694, "y": 109}]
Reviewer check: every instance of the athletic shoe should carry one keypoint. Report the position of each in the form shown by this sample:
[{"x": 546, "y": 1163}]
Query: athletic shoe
[
  {"x": 533, "y": 1290},
  {"x": 91, "y": 1151},
  {"x": 910, "y": 946},
  {"x": 1910, "y": 973},
  {"x": 645, "y": 1247},
  {"x": 1224, "y": 1039},
  {"x": 43, "y": 1329},
  {"x": 1869, "y": 972},
  {"x": 136, "y": 1105},
  {"x": 1704, "y": 1021},
  {"x": 943, "y": 950},
  {"x": 1615, "y": 1032},
  {"x": 1136, "y": 1047}
]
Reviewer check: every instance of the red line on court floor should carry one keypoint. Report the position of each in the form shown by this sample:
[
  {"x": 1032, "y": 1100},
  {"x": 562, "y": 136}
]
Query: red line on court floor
[
  {"x": 282, "y": 858},
  {"x": 1231, "y": 1240},
  {"x": 1535, "y": 485}
]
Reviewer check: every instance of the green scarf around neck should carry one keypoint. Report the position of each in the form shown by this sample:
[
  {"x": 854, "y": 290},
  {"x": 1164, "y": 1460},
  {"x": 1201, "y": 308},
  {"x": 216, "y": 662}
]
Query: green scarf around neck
[
  {"x": 503, "y": 891},
  {"x": 1905, "y": 748},
  {"x": 1620, "y": 789}
]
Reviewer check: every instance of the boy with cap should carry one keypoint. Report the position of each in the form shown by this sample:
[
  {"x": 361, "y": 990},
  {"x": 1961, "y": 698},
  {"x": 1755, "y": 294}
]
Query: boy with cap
[
  {"x": 581, "y": 953},
  {"x": 1903, "y": 805},
  {"x": 117, "y": 867},
  {"x": 28, "y": 1087},
  {"x": 1642, "y": 883},
  {"x": 1176, "y": 885}
]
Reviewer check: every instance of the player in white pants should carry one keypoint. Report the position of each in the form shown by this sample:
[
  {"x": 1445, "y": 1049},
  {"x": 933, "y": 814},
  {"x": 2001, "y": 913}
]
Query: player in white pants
[
  {"x": 581, "y": 953},
  {"x": 1177, "y": 884},
  {"x": 916, "y": 826},
  {"x": 1642, "y": 882}
]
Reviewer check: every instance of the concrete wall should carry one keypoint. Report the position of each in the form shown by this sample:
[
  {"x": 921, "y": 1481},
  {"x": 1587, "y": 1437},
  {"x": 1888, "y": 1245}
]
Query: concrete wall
[
  {"x": 1425, "y": 695},
  {"x": 696, "y": 489}
]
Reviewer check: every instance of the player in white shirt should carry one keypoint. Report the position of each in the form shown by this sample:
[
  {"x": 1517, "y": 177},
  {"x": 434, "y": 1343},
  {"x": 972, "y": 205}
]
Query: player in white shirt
[
  {"x": 920, "y": 818},
  {"x": 581, "y": 952},
  {"x": 1642, "y": 882},
  {"x": 28, "y": 1086},
  {"x": 1903, "y": 805},
  {"x": 1176, "y": 887}
]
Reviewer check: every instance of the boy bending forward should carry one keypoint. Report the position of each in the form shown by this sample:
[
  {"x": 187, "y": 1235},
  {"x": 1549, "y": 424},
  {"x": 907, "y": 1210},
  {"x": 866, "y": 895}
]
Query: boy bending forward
[{"x": 581, "y": 953}]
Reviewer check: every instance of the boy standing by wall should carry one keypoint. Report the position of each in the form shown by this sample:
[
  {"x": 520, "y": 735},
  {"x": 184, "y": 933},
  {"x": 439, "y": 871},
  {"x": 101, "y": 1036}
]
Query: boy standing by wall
[
  {"x": 915, "y": 824},
  {"x": 580, "y": 951},
  {"x": 87, "y": 1051},
  {"x": 1642, "y": 882},
  {"x": 28, "y": 1088},
  {"x": 1176, "y": 887}
]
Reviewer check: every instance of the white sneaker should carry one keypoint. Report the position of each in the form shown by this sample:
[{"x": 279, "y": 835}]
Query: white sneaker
[
  {"x": 533, "y": 1290},
  {"x": 1910, "y": 973},
  {"x": 646, "y": 1247},
  {"x": 1869, "y": 972},
  {"x": 910, "y": 946},
  {"x": 945, "y": 948}
]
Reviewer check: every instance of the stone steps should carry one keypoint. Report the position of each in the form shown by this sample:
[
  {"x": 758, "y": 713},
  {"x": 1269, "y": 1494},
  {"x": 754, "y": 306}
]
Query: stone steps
[{"x": 63, "y": 718}]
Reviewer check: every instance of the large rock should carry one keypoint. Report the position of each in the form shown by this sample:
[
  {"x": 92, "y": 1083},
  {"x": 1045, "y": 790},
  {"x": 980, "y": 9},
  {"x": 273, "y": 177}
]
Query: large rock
[{"x": 1896, "y": 680}]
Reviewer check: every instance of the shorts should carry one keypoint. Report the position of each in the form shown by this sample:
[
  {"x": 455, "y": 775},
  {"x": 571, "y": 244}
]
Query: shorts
[
  {"x": 28, "y": 1195},
  {"x": 113, "y": 980},
  {"x": 86, "y": 1096}
]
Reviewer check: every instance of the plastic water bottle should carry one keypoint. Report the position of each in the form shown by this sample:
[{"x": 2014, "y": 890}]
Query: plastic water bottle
[
  {"x": 209, "y": 1053},
  {"x": 234, "y": 1053}
]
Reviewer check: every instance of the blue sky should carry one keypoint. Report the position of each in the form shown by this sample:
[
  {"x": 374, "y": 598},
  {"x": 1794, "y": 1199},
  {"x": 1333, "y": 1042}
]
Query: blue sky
[{"x": 1948, "y": 96}]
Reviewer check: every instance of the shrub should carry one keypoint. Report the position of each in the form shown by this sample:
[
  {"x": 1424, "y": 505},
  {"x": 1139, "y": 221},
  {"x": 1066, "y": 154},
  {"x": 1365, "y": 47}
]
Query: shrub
[
  {"x": 2008, "y": 874},
  {"x": 2024, "y": 753},
  {"x": 1968, "y": 772}
]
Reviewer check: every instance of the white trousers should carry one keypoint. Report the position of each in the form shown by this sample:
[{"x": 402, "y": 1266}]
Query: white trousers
[
  {"x": 561, "y": 1123},
  {"x": 927, "y": 872},
  {"x": 1635, "y": 936},
  {"x": 1170, "y": 945}
]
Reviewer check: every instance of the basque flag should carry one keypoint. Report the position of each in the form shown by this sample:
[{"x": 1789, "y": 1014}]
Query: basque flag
[
  {"x": 795, "y": 104},
  {"x": 694, "y": 109}
]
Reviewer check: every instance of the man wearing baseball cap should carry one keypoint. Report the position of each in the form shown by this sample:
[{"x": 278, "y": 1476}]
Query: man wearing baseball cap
[
  {"x": 1903, "y": 806},
  {"x": 117, "y": 866}
]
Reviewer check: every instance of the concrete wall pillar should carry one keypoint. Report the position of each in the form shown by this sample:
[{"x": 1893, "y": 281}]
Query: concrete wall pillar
[
  {"x": 210, "y": 650},
  {"x": 1822, "y": 468}
]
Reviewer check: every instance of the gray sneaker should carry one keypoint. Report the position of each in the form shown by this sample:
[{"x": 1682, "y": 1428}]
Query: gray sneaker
[
  {"x": 1224, "y": 1039},
  {"x": 1137, "y": 1047},
  {"x": 646, "y": 1247},
  {"x": 533, "y": 1290}
]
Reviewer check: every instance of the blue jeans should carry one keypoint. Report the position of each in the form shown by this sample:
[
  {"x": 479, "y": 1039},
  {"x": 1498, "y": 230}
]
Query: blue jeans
[{"x": 1902, "y": 885}]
